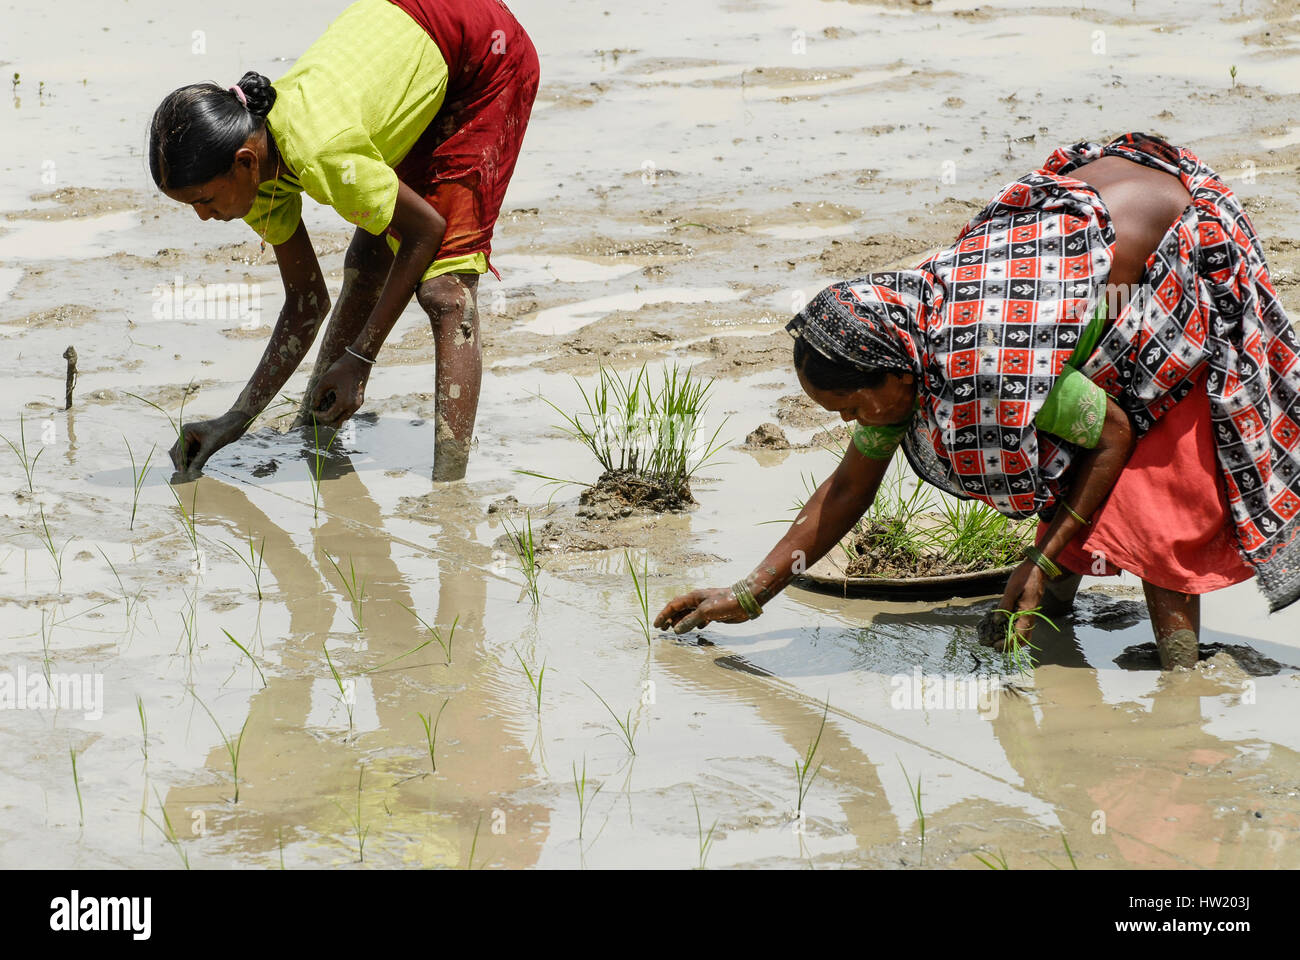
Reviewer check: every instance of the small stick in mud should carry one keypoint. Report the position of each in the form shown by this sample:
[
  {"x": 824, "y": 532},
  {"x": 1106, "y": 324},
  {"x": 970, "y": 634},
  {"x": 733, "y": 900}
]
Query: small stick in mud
[{"x": 69, "y": 355}]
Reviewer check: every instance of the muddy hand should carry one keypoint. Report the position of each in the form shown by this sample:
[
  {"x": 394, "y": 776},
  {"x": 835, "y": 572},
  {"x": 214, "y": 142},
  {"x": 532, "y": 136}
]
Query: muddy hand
[
  {"x": 698, "y": 608},
  {"x": 1024, "y": 592},
  {"x": 201, "y": 439},
  {"x": 341, "y": 391}
]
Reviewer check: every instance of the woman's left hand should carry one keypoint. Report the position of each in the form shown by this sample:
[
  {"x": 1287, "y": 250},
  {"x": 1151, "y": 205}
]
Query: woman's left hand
[
  {"x": 341, "y": 390},
  {"x": 1024, "y": 592}
]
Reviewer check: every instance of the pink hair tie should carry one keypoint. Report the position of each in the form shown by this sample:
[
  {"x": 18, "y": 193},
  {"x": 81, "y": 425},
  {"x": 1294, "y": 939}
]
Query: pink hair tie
[{"x": 240, "y": 94}]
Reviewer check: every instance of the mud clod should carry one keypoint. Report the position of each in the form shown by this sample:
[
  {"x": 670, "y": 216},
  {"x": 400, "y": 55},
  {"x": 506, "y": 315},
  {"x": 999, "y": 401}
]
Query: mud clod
[{"x": 620, "y": 493}]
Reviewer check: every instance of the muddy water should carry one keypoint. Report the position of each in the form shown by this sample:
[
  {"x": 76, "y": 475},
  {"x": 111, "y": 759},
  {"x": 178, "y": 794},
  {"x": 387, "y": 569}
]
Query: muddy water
[{"x": 691, "y": 174}]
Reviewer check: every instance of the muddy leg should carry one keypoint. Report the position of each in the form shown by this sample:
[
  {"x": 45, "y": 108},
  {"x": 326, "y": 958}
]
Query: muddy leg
[
  {"x": 1176, "y": 620},
  {"x": 451, "y": 301},
  {"x": 365, "y": 268},
  {"x": 1058, "y": 597}
]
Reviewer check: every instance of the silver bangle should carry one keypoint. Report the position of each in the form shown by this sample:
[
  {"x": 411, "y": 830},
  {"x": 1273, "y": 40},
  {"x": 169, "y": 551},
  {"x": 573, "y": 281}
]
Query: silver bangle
[{"x": 358, "y": 356}]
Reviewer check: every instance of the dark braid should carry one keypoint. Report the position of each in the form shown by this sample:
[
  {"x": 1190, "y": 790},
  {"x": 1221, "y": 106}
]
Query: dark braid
[{"x": 197, "y": 129}]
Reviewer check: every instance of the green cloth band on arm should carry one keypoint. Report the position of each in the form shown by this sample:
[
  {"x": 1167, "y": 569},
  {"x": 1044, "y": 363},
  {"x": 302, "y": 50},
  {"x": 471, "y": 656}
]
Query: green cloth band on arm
[
  {"x": 1075, "y": 410},
  {"x": 879, "y": 443}
]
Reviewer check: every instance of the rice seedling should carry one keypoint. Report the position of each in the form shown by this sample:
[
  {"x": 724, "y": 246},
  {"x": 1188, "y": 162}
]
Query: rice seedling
[
  {"x": 998, "y": 862},
  {"x": 359, "y": 828},
  {"x": 974, "y": 534},
  {"x": 56, "y": 553},
  {"x": 317, "y": 466},
  {"x": 431, "y": 733},
  {"x": 127, "y": 598},
  {"x": 187, "y": 523},
  {"x": 630, "y": 426},
  {"x": 233, "y": 747},
  {"x": 178, "y": 422},
  {"x": 253, "y": 561},
  {"x": 469, "y": 865},
  {"x": 245, "y": 651},
  {"x": 705, "y": 839},
  {"x": 355, "y": 588},
  {"x": 434, "y": 632},
  {"x": 585, "y": 795},
  {"x": 347, "y": 695},
  {"x": 626, "y": 729},
  {"x": 534, "y": 680},
  {"x": 1017, "y": 650},
  {"x": 1069, "y": 855},
  {"x": 190, "y": 623},
  {"x": 138, "y": 475},
  {"x": 279, "y": 838},
  {"x": 144, "y": 727},
  {"x": 526, "y": 550},
  {"x": 25, "y": 460},
  {"x": 76, "y": 782},
  {"x": 803, "y": 777},
  {"x": 892, "y": 519},
  {"x": 1232, "y": 72},
  {"x": 168, "y": 831},
  {"x": 642, "y": 587},
  {"x": 915, "y": 794}
]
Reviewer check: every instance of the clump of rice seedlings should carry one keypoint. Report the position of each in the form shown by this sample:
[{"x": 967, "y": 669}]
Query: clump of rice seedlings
[
  {"x": 431, "y": 733},
  {"x": 534, "y": 680},
  {"x": 56, "y": 553},
  {"x": 144, "y": 727},
  {"x": 890, "y": 525},
  {"x": 434, "y": 633},
  {"x": 1017, "y": 650},
  {"x": 169, "y": 831},
  {"x": 347, "y": 695},
  {"x": 584, "y": 792},
  {"x": 633, "y": 427},
  {"x": 642, "y": 587},
  {"x": 973, "y": 534},
  {"x": 138, "y": 475},
  {"x": 25, "y": 460},
  {"x": 359, "y": 828},
  {"x": 804, "y": 772},
  {"x": 253, "y": 561},
  {"x": 705, "y": 839},
  {"x": 915, "y": 794},
  {"x": 245, "y": 651},
  {"x": 998, "y": 862},
  {"x": 525, "y": 548},
  {"x": 76, "y": 782},
  {"x": 626, "y": 729},
  {"x": 355, "y": 588},
  {"x": 233, "y": 746}
]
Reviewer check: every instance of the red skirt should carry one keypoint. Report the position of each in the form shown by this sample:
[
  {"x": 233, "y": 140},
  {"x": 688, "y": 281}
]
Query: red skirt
[
  {"x": 463, "y": 161},
  {"x": 1167, "y": 521}
]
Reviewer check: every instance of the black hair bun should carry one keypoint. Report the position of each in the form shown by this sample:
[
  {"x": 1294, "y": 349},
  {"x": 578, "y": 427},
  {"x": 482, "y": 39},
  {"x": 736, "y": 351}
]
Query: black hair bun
[{"x": 260, "y": 93}]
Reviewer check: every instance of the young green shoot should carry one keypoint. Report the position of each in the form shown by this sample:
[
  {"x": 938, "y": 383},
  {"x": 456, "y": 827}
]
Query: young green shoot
[
  {"x": 626, "y": 728},
  {"x": 1069, "y": 854},
  {"x": 473, "y": 847},
  {"x": 317, "y": 466},
  {"x": 434, "y": 633},
  {"x": 804, "y": 772},
  {"x": 998, "y": 862},
  {"x": 359, "y": 828},
  {"x": 253, "y": 561},
  {"x": 127, "y": 598},
  {"x": 168, "y": 831},
  {"x": 355, "y": 588},
  {"x": 347, "y": 691},
  {"x": 245, "y": 651},
  {"x": 187, "y": 522},
  {"x": 1016, "y": 647},
  {"x": 138, "y": 475},
  {"x": 534, "y": 680},
  {"x": 915, "y": 794},
  {"x": 233, "y": 746},
  {"x": 56, "y": 553},
  {"x": 642, "y": 587},
  {"x": 705, "y": 839},
  {"x": 76, "y": 782},
  {"x": 431, "y": 733},
  {"x": 27, "y": 461},
  {"x": 144, "y": 727},
  {"x": 584, "y": 792},
  {"x": 525, "y": 548}
]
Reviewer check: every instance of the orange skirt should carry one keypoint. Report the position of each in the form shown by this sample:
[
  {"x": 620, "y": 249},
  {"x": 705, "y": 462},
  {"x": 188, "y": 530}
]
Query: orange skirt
[{"x": 1167, "y": 520}]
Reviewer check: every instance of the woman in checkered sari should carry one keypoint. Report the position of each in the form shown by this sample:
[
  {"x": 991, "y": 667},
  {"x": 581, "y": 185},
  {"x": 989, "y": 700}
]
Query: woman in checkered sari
[{"x": 1101, "y": 347}]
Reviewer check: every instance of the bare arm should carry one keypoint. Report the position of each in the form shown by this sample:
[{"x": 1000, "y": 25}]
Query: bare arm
[{"x": 827, "y": 516}]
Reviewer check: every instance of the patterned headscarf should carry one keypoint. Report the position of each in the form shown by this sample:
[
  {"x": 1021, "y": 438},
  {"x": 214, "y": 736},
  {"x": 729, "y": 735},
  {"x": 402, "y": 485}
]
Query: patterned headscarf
[{"x": 867, "y": 323}]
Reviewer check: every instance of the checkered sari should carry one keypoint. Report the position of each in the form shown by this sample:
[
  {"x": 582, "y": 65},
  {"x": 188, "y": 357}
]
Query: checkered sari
[{"x": 988, "y": 324}]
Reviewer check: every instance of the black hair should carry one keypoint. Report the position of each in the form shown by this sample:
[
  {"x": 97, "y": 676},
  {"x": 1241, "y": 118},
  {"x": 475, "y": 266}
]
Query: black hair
[
  {"x": 197, "y": 129},
  {"x": 826, "y": 374}
]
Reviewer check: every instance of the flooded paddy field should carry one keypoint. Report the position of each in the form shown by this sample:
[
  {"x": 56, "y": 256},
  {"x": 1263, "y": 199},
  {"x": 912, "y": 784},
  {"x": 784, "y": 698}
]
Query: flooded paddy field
[{"x": 692, "y": 174}]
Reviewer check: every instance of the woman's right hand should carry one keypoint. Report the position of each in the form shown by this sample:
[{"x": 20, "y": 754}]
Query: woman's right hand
[
  {"x": 700, "y": 607},
  {"x": 202, "y": 438}
]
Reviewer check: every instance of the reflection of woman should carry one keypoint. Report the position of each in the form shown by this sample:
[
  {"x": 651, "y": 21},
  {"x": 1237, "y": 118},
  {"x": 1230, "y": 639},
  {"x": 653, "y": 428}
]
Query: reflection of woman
[
  {"x": 406, "y": 117},
  {"x": 1165, "y": 442}
]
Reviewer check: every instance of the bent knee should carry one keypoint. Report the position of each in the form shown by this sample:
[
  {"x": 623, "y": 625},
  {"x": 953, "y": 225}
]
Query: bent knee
[{"x": 451, "y": 295}]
